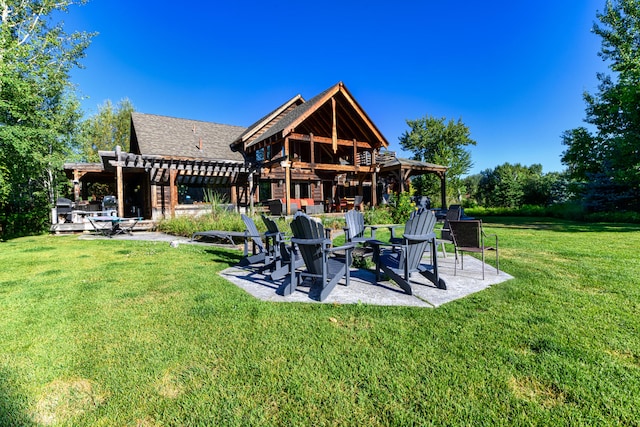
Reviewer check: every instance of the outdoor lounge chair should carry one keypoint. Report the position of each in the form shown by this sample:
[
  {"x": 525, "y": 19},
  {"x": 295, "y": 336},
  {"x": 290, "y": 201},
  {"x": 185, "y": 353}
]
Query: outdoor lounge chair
[
  {"x": 468, "y": 236},
  {"x": 279, "y": 254},
  {"x": 323, "y": 270},
  {"x": 405, "y": 258},
  {"x": 453, "y": 214}
]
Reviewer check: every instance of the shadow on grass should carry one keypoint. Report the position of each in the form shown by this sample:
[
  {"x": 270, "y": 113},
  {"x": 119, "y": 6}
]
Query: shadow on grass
[
  {"x": 12, "y": 408},
  {"x": 224, "y": 256},
  {"x": 557, "y": 225}
]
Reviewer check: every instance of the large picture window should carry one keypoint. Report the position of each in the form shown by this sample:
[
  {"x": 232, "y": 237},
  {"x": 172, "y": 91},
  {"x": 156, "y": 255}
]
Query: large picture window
[{"x": 190, "y": 194}]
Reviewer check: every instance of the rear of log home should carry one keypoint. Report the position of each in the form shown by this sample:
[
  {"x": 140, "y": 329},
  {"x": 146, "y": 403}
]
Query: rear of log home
[{"x": 321, "y": 149}]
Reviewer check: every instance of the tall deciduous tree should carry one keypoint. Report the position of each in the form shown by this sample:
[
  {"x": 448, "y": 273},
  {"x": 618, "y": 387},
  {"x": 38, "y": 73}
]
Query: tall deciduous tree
[
  {"x": 444, "y": 143},
  {"x": 105, "y": 130},
  {"x": 38, "y": 111},
  {"x": 608, "y": 160}
]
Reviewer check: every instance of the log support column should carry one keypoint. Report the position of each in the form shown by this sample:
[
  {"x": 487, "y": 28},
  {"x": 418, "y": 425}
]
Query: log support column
[
  {"x": 173, "y": 192},
  {"x": 119, "y": 183}
]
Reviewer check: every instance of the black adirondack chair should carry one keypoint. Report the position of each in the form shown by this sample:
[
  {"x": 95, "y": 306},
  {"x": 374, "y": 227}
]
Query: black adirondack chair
[
  {"x": 405, "y": 258},
  {"x": 259, "y": 251},
  {"x": 355, "y": 228},
  {"x": 324, "y": 270},
  {"x": 278, "y": 253},
  {"x": 453, "y": 214}
]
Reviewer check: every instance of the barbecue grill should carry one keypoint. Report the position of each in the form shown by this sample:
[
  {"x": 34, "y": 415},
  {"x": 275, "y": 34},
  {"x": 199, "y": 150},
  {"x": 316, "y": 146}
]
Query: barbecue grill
[
  {"x": 110, "y": 205},
  {"x": 64, "y": 207}
]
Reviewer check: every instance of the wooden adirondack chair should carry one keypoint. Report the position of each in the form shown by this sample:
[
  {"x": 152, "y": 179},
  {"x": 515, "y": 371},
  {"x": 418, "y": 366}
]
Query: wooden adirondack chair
[
  {"x": 278, "y": 252},
  {"x": 259, "y": 252},
  {"x": 405, "y": 258},
  {"x": 324, "y": 270},
  {"x": 355, "y": 228}
]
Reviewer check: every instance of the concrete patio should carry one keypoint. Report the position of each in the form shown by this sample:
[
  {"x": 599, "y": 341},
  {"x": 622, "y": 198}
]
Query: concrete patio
[{"x": 362, "y": 288}]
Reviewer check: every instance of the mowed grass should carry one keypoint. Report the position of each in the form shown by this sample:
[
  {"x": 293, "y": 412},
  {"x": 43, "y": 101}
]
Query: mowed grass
[{"x": 137, "y": 333}]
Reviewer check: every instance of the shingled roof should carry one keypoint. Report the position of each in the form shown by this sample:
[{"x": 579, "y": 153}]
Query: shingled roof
[
  {"x": 263, "y": 124},
  {"x": 183, "y": 138},
  {"x": 294, "y": 115}
]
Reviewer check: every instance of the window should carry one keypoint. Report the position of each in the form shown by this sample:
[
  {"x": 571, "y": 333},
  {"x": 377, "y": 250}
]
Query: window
[
  {"x": 300, "y": 190},
  {"x": 264, "y": 190},
  {"x": 189, "y": 194}
]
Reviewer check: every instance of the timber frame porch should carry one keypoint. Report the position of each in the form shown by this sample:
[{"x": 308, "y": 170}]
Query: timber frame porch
[
  {"x": 159, "y": 178},
  {"x": 317, "y": 142}
]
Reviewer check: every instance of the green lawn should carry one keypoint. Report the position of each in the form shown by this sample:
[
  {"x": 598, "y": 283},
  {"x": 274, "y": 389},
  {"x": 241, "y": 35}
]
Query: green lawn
[{"x": 136, "y": 333}]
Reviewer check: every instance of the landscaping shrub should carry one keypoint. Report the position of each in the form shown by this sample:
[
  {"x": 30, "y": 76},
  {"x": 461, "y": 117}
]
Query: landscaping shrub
[
  {"x": 187, "y": 225},
  {"x": 378, "y": 215},
  {"x": 402, "y": 207}
]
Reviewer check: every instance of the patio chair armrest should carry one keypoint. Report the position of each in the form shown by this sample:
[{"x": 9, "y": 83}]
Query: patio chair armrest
[
  {"x": 420, "y": 237},
  {"x": 327, "y": 233},
  {"x": 347, "y": 234},
  {"x": 377, "y": 244},
  {"x": 251, "y": 236},
  {"x": 304, "y": 242},
  {"x": 345, "y": 247},
  {"x": 370, "y": 227},
  {"x": 443, "y": 229},
  {"x": 491, "y": 235}
]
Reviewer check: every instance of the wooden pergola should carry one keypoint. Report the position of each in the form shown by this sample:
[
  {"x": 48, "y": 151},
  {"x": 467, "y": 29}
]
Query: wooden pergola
[
  {"x": 117, "y": 167},
  {"x": 403, "y": 169}
]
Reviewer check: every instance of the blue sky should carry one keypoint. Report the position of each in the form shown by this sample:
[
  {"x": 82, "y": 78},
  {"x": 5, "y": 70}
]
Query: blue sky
[{"x": 513, "y": 71}]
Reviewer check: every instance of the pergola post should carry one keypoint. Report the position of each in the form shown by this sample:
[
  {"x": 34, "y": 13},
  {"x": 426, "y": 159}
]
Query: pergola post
[
  {"x": 173, "y": 192},
  {"x": 374, "y": 184},
  {"x": 233, "y": 194},
  {"x": 443, "y": 190},
  {"x": 312, "y": 147},
  {"x": 286, "y": 164},
  {"x": 76, "y": 185},
  {"x": 119, "y": 183},
  {"x": 250, "y": 179}
]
